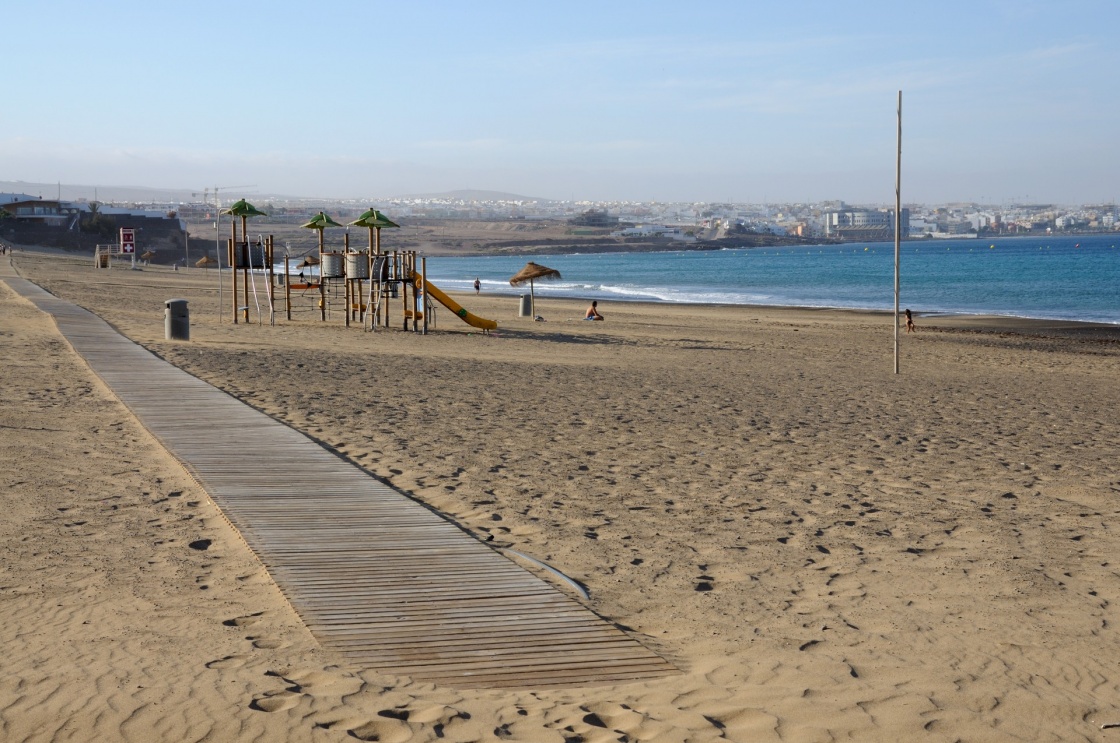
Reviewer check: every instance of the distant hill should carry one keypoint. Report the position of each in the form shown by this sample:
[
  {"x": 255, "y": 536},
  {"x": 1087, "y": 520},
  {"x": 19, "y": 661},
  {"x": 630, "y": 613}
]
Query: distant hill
[
  {"x": 468, "y": 194},
  {"x": 74, "y": 192}
]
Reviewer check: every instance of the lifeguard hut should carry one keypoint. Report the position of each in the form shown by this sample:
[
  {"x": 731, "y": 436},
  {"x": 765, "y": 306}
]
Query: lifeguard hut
[{"x": 125, "y": 246}]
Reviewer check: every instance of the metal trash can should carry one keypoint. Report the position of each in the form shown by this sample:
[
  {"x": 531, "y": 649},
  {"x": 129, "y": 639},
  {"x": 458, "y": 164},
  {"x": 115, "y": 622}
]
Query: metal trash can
[
  {"x": 176, "y": 320},
  {"x": 526, "y": 306}
]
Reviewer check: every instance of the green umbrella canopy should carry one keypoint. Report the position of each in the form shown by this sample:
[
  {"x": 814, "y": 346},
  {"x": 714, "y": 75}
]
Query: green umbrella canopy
[
  {"x": 243, "y": 208},
  {"x": 373, "y": 218},
  {"x": 320, "y": 221}
]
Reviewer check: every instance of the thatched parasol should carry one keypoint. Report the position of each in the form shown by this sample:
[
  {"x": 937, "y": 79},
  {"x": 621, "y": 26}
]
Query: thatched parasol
[
  {"x": 531, "y": 273},
  {"x": 309, "y": 260},
  {"x": 147, "y": 255},
  {"x": 205, "y": 262}
]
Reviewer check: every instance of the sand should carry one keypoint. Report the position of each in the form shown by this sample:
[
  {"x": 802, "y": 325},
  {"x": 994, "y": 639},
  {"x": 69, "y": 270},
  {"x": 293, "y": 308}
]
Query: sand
[{"x": 826, "y": 550}]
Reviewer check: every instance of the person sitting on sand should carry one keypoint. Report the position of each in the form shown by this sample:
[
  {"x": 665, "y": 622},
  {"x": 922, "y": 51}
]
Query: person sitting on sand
[
  {"x": 910, "y": 327},
  {"x": 593, "y": 312}
]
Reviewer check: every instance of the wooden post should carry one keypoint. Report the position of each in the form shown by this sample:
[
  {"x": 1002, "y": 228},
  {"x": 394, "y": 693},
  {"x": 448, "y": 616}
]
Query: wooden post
[
  {"x": 424, "y": 301},
  {"x": 372, "y": 279},
  {"x": 245, "y": 278},
  {"x": 406, "y": 276},
  {"x": 288, "y": 286},
  {"x": 897, "y": 225},
  {"x": 345, "y": 279},
  {"x": 245, "y": 272}
]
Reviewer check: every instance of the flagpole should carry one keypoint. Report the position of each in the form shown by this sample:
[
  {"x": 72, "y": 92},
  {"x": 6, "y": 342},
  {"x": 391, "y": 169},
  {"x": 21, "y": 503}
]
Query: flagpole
[{"x": 897, "y": 224}]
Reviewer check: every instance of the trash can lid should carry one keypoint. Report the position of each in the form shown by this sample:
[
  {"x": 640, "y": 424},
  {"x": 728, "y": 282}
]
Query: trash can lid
[{"x": 175, "y": 301}]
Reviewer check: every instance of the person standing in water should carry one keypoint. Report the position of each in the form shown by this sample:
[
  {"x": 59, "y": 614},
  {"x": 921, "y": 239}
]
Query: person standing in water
[{"x": 477, "y": 285}]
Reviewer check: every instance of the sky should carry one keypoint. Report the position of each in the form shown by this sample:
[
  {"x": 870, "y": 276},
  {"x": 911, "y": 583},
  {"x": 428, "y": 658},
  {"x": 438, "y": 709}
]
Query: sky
[{"x": 1002, "y": 100}]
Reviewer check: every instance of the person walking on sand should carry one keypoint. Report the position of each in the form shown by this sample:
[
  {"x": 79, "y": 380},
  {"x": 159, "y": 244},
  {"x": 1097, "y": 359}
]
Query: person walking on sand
[
  {"x": 477, "y": 285},
  {"x": 910, "y": 327},
  {"x": 593, "y": 312}
]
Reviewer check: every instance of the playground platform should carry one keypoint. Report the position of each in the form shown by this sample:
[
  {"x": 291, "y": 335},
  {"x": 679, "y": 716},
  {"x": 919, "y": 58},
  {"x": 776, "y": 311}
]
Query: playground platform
[{"x": 378, "y": 578}]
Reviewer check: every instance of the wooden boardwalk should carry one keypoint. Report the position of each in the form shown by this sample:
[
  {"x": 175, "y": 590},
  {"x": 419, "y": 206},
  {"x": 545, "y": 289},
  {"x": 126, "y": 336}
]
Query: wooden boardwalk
[{"x": 378, "y": 578}]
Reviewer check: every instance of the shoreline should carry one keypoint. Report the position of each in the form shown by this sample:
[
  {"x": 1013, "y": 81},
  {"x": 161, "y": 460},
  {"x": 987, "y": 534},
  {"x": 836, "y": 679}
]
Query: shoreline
[
  {"x": 953, "y": 319},
  {"x": 945, "y": 318},
  {"x": 935, "y": 319}
]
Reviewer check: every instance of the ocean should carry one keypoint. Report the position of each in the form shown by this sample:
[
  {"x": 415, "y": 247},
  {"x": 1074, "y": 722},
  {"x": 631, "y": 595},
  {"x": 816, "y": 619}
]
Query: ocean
[{"x": 1059, "y": 278}]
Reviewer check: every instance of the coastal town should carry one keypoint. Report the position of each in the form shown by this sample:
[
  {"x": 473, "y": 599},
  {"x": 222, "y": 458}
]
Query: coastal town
[{"x": 486, "y": 222}]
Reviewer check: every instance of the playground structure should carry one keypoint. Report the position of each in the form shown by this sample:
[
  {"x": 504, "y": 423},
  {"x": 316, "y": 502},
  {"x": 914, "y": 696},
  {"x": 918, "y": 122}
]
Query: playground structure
[
  {"x": 371, "y": 284},
  {"x": 247, "y": 258},
  {"x": 391, "y": 276}
]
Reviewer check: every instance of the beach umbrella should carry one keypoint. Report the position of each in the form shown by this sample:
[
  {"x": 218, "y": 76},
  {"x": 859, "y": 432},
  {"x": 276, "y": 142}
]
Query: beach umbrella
[
  {"x": 147, "y": 255},
  {"x": 205, "y": 262},
  {"x": 532, "y": 272},
  {"x": 374, "y": 221},
  {"x": 308, "y": 260}
]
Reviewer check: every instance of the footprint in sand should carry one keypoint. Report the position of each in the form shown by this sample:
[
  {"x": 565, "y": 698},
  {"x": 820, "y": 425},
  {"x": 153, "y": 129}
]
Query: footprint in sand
[
  {"x": 230, "y": 661},
  {"x": 275, "y": 701},
  {"x": 612, "y": 716},
  {"x": 266, "y": 643},
  {"x": 440, "y": 713},
  {"x": 743, "y": 724},
  {"x": 245, "y": 621},
  {"x": 317, "y": 682},
  {"x": 386, "y": 731}
]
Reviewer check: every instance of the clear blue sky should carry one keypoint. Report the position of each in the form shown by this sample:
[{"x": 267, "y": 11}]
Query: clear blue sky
[{"x": 675, "y": 101}]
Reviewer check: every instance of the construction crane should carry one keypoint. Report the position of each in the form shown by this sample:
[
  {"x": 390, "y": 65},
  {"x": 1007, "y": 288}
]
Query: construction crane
[{"x": 217, "y": 201}]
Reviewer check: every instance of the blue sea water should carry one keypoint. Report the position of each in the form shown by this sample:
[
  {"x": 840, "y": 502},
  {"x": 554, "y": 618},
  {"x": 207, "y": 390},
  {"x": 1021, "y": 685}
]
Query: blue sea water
[{"x": 1061, "y": 278}]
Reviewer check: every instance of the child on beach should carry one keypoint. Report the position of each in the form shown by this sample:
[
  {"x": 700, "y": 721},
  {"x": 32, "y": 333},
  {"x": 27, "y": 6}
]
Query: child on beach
[
  {"x": 910, "y": 327},
  {"x": 593, "y": 312}
]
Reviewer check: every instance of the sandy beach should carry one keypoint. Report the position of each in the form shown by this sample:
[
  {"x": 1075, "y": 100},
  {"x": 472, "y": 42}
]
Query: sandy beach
[{"x": 826, "y": 550}]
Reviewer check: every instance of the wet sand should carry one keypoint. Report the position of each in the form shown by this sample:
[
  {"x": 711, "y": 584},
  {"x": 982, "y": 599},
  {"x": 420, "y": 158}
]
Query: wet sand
[{"x": 827, "y": 550}]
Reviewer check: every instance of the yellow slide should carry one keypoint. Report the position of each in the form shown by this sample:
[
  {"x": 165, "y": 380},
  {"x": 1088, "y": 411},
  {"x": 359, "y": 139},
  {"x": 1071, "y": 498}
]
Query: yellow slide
[{"x": 474, "y": 320}]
